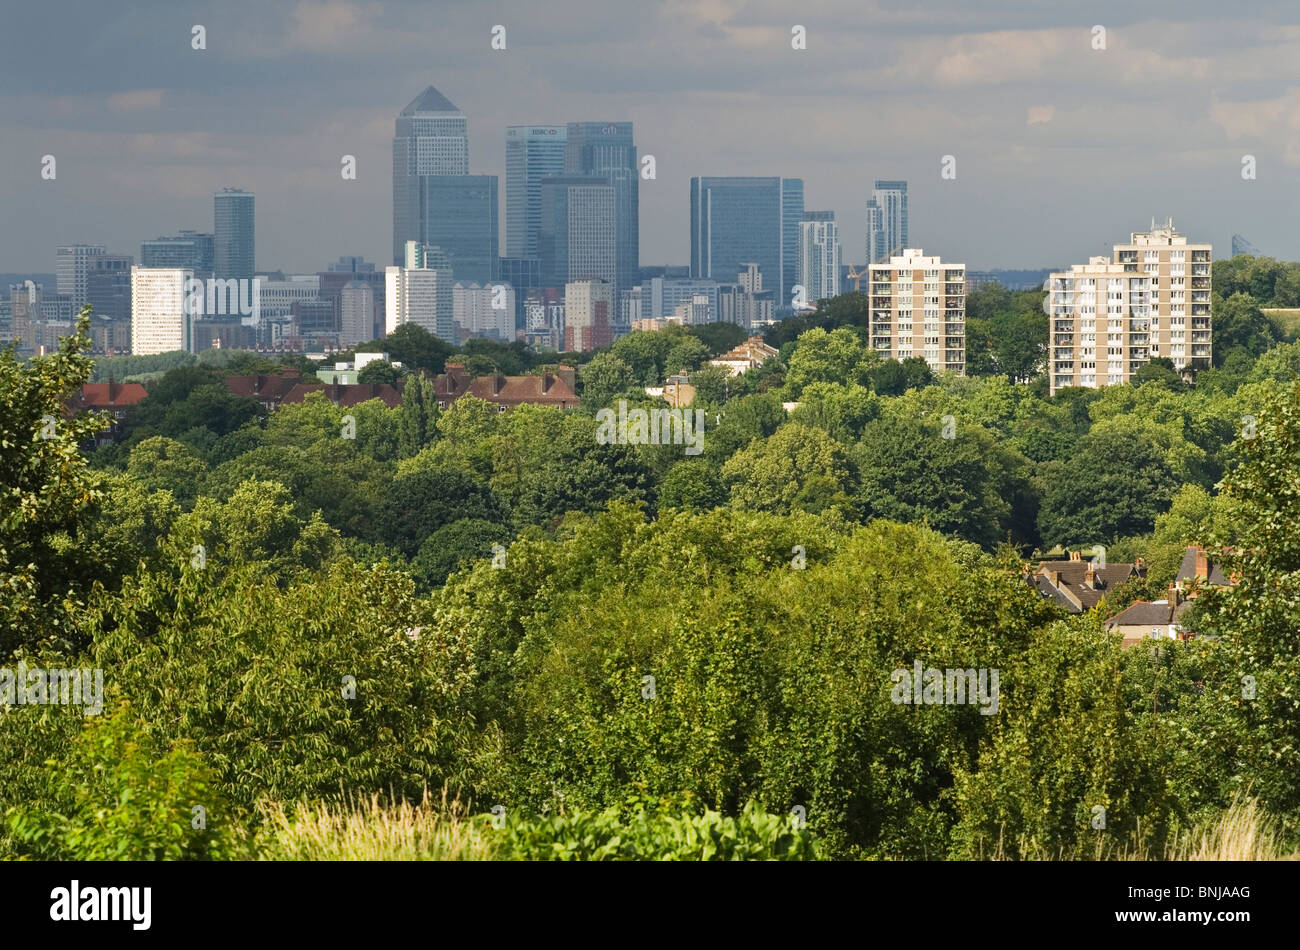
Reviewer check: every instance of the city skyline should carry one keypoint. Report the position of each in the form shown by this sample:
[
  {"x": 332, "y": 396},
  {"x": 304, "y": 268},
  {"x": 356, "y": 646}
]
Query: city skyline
[{"x": 1003, "y": 90}]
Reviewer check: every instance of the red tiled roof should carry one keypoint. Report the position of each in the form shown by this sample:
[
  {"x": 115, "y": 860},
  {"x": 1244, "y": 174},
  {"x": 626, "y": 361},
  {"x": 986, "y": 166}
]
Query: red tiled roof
[
  {"x": 107, "y": 395},
  {"x": 548, "y": 389}
]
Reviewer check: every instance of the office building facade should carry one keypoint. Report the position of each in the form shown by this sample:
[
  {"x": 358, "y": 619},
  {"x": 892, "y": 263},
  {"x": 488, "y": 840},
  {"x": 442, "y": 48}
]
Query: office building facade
[
  {"x": 189, "y": 250},
  {"x": 608, "y": 150},
  {"x": 431, "y": 139},
  {"x": 578, "y": 239},
  {"x": 532, "y": 153},
  {"x": 233, "y": 249},
  {"x": 819, "y": 256},
  {"x": 736, "y": 221},
  {"x": 588, "y": 315},
  {"x": 72, "y": 267}
]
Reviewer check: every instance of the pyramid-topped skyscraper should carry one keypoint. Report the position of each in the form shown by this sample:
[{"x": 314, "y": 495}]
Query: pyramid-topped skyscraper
[{"x": 436, "y": 201}]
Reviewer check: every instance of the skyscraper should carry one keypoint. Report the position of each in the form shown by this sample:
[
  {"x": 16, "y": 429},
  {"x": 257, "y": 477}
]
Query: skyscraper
[
  {"x": 458, "y": 213},
  {"x": 73, "y": 263},
  {"x": 819, "y": 256},
  {"x": 578, "y": 237},
  {"x": 607, "y": 149},
  {"x": 188, "y": 249},
  {"x": 737, "y": 221},
  {"x": 432, "y": 138},
  {"x": 232, "y": 248},
  {"x": 532, "y": 152},
  {"x": 886, "y": 220},
  {"x": 160, "y": 322}
]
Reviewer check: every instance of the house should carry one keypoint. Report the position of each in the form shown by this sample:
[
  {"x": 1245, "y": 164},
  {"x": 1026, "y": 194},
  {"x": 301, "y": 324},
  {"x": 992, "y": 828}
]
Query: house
[
  {"x": 1079, "y": 585},
  {"x": 677, "y": 391},
  {"x": 346, "y": 395},
  {"x": 748, "y": 355},
  {"x": 1150, "y": 619},
  {"x": 269, "y": 390},
  {"x": 111, "y": 397},
  {"x": 1198, "y": 571},
  {"x": 552, "y": 388}
]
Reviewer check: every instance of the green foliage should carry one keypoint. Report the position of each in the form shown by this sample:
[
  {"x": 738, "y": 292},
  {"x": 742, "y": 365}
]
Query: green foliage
[
  {"x": 650, "y": 835},
  {"x": 46, "y": 491},
  {"x": 1114, "y": 486},
  {"x": 379, "y": 371},
  {"x": 129, "y": 797}
]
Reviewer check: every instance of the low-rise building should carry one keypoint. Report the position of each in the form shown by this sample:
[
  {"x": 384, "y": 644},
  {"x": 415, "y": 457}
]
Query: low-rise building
[
  {"x": 551, "y": 388},
  {"x": 748, "y": 355},
  {"x": 1078, "y": 585}
]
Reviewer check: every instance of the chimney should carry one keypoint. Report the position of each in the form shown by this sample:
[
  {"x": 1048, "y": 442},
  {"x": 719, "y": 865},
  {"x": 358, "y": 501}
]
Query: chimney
[
  {"x": 1075, "y": 556},
  {"x": 1202, "y": 564},
  {"x": 1090, "y": 574}
]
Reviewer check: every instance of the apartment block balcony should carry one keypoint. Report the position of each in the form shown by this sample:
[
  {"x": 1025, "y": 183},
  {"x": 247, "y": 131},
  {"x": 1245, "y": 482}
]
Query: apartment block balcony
[
  {"x": 1200, "y": 283},
  {"x": 1128, "y": 257},
  {"x": 1200, "y": 255}
]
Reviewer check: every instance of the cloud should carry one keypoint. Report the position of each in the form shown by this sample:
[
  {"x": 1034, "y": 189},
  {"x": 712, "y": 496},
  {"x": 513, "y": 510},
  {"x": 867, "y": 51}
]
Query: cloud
[
  {"x": 136, "y": 100},
  {"x": 320, "y": 25},
  {"x": 1040, "y": 114}
]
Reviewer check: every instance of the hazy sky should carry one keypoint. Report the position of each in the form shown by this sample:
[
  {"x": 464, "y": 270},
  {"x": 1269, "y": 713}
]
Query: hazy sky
[{"x": 1060, "y": 149}]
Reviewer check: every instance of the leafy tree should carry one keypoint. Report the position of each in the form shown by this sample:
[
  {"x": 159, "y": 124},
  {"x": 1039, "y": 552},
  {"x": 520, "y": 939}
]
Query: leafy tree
[
  {"x": 1114, "y": 486},
  {"x": 718, "y": 337},
  {"x": 1240, "y": 324},
  {"x": 414, "y": 347},
  {"x": 132, "y": 799},
  {"x": 836, "y": 357},
  {"x": 692, "y": 486},
  {"x": 961, "y": 485},
  {"x": 417, "y": 423},
  {"x": 797, "y": 468},
  {"x": 47, "y": 491},
  {"x": 420, "y": 502},
  {"x": 453, "y": 546},
  {"x": 379, "y": 371},
  {"x": 604, "y": 379},
  {"x": 161, "y": 464}
]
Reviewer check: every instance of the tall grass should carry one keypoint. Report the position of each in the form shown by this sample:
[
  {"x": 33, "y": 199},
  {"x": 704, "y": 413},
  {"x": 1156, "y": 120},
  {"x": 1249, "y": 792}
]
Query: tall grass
[{"x": 373, "y": 831}]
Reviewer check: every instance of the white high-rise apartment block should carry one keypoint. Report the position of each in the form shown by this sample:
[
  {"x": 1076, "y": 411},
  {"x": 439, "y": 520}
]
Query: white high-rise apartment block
[
  {"x": 420, "y": 293},
  {"x": 918, "y": 308},
  {"x": 484, "y": 311},
  {"x": 356, "y": 313},
  {"x": 160, "y": 322},
  {"x": 72, "y": 267},
  {"x": 818, "y": 267},
  {"x": 1109, "y": 318}
]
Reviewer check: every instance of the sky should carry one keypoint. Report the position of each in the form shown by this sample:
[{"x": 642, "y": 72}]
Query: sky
[{"x": 1061, "y": 148}]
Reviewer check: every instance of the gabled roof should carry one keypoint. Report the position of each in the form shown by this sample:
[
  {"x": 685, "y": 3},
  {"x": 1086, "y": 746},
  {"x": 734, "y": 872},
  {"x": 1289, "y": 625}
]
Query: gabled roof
[
  {"x": 1144, "y": 613},
  {"x": 1210, "y": 572},
  {"x": 107, "y": 395},
  {"x": 431, "y": 100},
  {"x": 1066, "y": 582}
]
